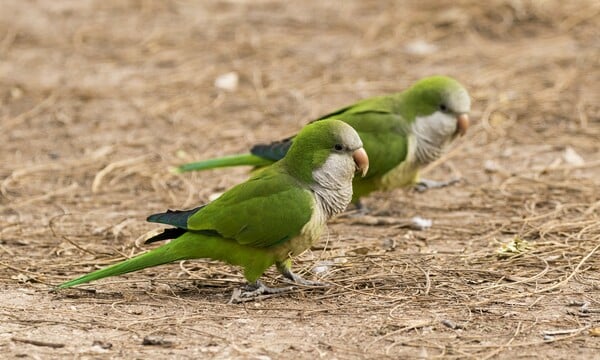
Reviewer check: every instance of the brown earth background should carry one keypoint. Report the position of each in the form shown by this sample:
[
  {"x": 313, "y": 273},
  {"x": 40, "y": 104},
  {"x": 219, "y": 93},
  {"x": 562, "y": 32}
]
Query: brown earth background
[{"x": 99, "y": 98}]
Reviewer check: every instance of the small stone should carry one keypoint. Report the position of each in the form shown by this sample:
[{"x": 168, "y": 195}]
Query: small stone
[
  {"x": 322, "y": 267},
  {"x": 420, "y": 47},
  {"x": 572, "y": 157},
  {"x": 156, "y": 341},
  {"x": 228, "y": 81},
  {"x": 422, "y": 223}
]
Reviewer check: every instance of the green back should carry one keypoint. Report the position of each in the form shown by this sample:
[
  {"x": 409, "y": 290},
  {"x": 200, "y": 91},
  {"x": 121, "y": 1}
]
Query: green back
[
  {"x": 382, "y": 130},
  {"x": 268, "y": 209}
]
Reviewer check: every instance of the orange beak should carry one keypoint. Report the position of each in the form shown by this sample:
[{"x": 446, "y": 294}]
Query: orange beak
[
  {"x": 462, "y": 124},
  {"x": 361, "y": 160}
]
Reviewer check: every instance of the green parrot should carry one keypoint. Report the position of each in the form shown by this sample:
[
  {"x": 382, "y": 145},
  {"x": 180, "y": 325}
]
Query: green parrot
[
  {"x": 276, "y": 214},
  {"x": 401, "y": 132}
]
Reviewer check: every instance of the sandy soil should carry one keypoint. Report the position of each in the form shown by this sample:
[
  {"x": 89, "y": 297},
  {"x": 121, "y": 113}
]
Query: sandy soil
[{"x": 99, "y": 98}]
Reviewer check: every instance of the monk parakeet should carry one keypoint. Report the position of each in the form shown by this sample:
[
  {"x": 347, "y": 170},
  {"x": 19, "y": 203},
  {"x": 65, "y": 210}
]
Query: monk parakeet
[
  {"x": 401, "y": 132},
  {"x": 277, "y": 213}
]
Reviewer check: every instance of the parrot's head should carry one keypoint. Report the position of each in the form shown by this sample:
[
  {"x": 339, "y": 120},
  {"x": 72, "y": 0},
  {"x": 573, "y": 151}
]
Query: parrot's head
[
  {"x": 325, "y": 155},
  {"x": 329, "y": 146},
  {"x": 438, "y": 107}
]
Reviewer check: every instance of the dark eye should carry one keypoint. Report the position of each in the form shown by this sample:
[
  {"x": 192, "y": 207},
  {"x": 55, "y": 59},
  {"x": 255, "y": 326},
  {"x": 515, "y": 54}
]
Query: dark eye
[
  {"x": 338, "y": 147},
  {"x": 443, "y": 107}
]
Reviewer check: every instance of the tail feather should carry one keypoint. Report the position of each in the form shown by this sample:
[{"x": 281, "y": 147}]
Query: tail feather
[
  {"x": 273, "y": 151},
  {"x": 165, "y": 254},
  {"x": 167, "y": 234},
  {"x": 227, "y": 161},
  {"x": 190, "y": 245},
  {"x": 176, "y": 218}
]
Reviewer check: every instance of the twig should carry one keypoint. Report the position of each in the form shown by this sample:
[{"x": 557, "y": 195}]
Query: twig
[
  {"x": 501, "y": 347},
  {"x": 563, "y": 332},
  {"x": 51, "y": 225},
  {"x": 46, "y": 196},
  {"x": 573, "y": 273},
  {"x": 38, "y": 343},
  {"x": 34, "y": 111},
  {"x": 406, "y": 328},
  {"x": 112, "y": 166}
]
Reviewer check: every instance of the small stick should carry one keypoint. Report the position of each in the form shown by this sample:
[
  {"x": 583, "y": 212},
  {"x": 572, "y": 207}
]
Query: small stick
[
  {"x": 562, "y": 332},
  {"x": 573, "y": 273},
  {"x": 38, "y": 343}
]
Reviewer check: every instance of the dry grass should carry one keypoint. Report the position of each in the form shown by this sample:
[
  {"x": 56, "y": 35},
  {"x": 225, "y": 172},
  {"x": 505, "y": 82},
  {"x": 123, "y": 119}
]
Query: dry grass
[{"x": 99, "y": 98}]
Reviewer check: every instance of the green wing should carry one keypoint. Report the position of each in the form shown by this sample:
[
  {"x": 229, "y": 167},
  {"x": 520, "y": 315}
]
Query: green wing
[
  {"x": 384, "y": 140},
  {"x": 380, "y": 104},
  {"x": 383, "y": 130},
  {"x": 268, "y": 209}
]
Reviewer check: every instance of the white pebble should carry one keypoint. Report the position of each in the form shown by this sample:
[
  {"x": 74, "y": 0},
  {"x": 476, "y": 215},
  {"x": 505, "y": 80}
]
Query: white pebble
[
  {"x": 228, "y": 81},
  {"x": 422, "y": 223}
]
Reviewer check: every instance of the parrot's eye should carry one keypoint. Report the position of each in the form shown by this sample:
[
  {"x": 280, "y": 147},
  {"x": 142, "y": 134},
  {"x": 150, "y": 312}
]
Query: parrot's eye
[
  {"x": 338, "y": 147},
  {"x": 443, "y": 107}
]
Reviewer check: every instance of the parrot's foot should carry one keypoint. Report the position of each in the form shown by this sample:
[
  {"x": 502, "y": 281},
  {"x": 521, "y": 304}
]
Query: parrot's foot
[
  {"x": 426, "y": 184},
  {"x": 255, "y": 291},
  {"x": 361, "y": 207},
  {"x": 300, "y": 280}
]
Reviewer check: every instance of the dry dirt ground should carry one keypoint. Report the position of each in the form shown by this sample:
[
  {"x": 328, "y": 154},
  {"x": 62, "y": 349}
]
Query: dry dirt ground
[{"x": 99, "y": 98}]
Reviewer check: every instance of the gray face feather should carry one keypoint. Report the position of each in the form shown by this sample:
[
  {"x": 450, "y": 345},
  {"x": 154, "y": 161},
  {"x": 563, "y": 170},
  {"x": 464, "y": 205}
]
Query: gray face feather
[
  {"x": 333, "y": 184},
  {"x": 435, "y": 131},
  {"x": 333, "y": 180},
  {"x": 432, "y": 134}
]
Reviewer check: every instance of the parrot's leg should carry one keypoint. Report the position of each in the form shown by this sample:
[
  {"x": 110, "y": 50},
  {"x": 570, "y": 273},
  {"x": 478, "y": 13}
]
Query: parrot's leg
[
  {"x": 361, "y": 207},
  {"x": 285, "y": 268},
  {"x": 426, "y": 184},
  {"x": 354, "y": 209}
]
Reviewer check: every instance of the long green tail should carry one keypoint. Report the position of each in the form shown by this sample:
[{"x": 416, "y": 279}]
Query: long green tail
[
  {"x": 189, "y": 246},
  {"x": 227, "y": 161}
]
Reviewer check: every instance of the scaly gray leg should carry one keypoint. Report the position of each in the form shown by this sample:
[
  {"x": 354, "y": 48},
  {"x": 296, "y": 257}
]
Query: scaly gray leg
[{"x": 285, "y": 268}]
